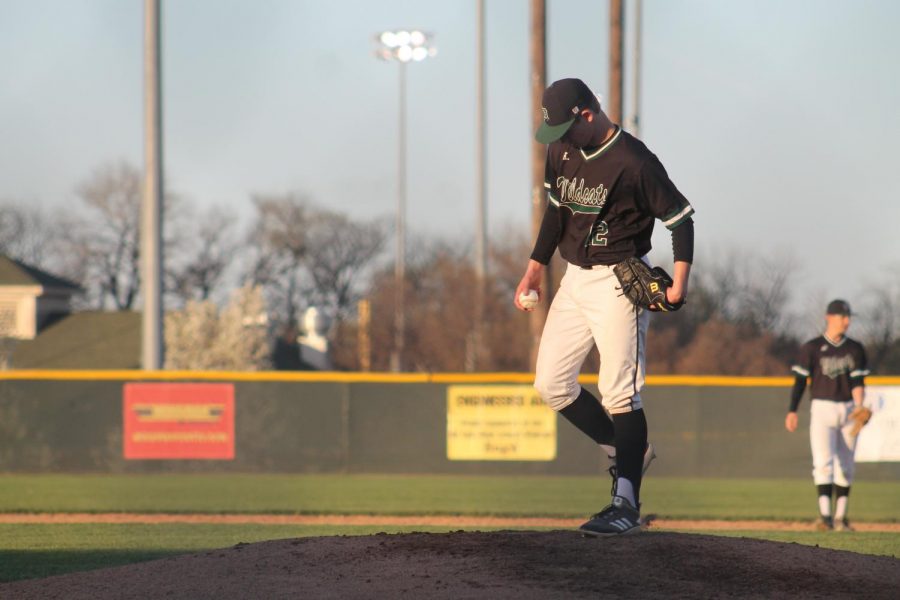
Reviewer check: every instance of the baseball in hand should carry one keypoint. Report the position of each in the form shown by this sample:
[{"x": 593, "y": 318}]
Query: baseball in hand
[{"x": 528, "y": 299}]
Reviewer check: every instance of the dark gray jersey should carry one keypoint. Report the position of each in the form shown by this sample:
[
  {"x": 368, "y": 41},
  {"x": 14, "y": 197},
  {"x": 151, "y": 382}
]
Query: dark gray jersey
[
  {"x": 603, "y": 202},
  {"x": 835, "y": 368}
]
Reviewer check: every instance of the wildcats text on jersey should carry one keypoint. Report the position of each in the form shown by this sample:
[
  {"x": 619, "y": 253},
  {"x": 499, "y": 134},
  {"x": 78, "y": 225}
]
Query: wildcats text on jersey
[
  {"x": 833, "y": 366},
  {"x": 580, "y": 199}
]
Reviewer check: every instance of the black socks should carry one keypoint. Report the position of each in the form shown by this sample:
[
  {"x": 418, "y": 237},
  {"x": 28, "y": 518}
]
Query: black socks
[
  {"x": 631, "y": 442},
  {"x": 825, "y": 490},
  {"x": 586, "y": 414},
  {"x": 626, "y": 431}
]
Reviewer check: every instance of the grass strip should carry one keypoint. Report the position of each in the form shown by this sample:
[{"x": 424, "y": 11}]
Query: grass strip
[{"x": 674, "y": 498}]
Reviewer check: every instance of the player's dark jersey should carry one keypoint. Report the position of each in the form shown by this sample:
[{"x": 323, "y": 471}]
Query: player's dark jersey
[
  {"x": 835, "y": 368},
  {"x": 604, "y": 201}
]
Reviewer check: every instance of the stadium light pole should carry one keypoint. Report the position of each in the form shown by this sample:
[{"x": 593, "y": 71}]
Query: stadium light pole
[
  {"x": 402, "y": 47},
  {"x": 151, "y": 218}
]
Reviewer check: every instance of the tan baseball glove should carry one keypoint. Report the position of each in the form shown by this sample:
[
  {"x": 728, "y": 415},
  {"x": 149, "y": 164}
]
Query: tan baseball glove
[{"x": 860, "y": 416}]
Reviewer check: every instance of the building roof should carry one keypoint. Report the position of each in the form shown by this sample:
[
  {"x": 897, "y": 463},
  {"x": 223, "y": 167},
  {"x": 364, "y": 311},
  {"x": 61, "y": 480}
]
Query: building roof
[
  {"x": 15, "y": 272},
  {"x": 84, "y": 340}
]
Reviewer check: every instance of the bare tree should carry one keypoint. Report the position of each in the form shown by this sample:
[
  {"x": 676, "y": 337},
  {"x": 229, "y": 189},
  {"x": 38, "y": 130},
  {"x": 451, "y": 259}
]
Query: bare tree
[
  {"x": 880, "y": 322},
  {"x": 28, "y": 234},
  {"x": 306, "y": 255},
  {"x": 197, "y": 261},
  {"x": 738, "y": 300},
  {"x": 111, "y": 234},
  {"x": 722, "y": 348},
  {"x": 746, "y": 288},
  {"x": 507, "y": 331},
  {"x": 509, "y": 254},
  {"x": 441, "y": 278},
  {"x": 279, "y": 243},
  {"x": 100, "y": 243},
  {"x": 765, "y": 298},
  {"x": 339, "y": 251},
  {"x": 811, "y": 319}
]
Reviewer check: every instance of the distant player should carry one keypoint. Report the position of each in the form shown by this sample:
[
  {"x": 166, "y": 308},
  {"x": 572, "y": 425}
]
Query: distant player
[
  {"x": 605, "y": 191},
  {"x": 836, "y": 365}
]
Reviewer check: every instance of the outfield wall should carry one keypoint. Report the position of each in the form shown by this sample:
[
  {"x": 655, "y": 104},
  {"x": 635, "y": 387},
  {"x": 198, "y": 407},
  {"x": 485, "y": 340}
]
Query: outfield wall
[{"x": 381, "y": 423}]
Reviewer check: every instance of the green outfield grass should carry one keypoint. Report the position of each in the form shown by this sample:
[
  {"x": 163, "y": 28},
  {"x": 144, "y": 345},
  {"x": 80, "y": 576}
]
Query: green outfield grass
[
  {"x": 37, "y": 550},
  {"x": 429, "y": 494}
]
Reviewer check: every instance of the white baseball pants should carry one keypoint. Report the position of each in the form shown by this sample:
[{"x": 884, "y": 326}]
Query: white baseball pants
[
  {"x": 588, "y": 310},
  {"x": 831, "y": 442}
]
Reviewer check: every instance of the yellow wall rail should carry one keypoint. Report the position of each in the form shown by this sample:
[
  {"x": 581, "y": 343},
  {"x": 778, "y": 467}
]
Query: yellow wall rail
[{"x": 360, "y": 377}]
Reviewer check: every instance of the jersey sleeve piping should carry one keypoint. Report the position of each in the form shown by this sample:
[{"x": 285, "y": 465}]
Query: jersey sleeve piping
[
  {"x": 676, "y": 219},
  {"x": 800, "y": 371}
]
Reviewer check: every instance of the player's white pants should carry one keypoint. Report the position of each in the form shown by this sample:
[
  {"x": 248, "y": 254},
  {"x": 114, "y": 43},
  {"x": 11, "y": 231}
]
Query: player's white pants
[
  {"x": 588, "y": 310},
  {"x": 831, "y": 442}
]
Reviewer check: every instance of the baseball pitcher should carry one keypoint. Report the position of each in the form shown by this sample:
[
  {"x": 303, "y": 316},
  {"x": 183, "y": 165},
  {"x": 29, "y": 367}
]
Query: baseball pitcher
[{"x": 605, "y": 191}]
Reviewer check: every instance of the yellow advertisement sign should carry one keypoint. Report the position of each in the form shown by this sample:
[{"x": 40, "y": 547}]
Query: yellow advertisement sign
[{"x": 499, "y": 422}]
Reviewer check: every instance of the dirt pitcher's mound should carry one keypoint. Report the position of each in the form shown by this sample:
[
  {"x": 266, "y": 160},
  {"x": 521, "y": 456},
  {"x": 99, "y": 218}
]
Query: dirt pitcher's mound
[{"x": 506, "y": 564}]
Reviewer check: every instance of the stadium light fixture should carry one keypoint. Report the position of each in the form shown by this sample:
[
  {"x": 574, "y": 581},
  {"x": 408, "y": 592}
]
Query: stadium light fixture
[
  {"x": 405, "y": 45},
  {"x": 402, "y": 46}
]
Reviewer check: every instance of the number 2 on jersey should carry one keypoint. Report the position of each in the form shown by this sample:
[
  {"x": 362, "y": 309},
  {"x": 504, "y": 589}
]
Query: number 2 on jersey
[{"x": 598, "y": 234}]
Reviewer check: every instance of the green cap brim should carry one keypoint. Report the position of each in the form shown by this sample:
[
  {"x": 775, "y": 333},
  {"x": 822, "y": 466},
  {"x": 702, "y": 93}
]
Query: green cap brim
[{"x": 547, "y": 134}]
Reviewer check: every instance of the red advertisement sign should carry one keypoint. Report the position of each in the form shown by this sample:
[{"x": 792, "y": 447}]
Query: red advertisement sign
[{"x": 178, "y": 421}]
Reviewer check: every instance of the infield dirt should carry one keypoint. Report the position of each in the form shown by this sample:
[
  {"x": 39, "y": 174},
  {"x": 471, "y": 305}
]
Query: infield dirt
[{"x": 503, "y": 564}]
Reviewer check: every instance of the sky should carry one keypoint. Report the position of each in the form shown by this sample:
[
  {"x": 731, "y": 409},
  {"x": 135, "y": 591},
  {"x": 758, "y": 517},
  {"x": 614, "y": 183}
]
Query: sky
[{"x": 776, "y": 118}]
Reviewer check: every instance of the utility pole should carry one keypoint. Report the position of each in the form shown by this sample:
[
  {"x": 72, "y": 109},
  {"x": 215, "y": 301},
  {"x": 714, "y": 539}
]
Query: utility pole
[
  {"x": 151, "y": 211},
  {"x": 616, "y": 24},
  {"x": 538, "y": 50},
  {"x": 635, "y": 120},
  {"x": 478, "y": 352}
]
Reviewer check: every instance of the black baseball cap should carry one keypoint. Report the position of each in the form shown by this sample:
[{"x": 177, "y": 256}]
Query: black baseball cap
[
  {"x": 560, "y": 105},
  {"x": 838, "y": 307}
]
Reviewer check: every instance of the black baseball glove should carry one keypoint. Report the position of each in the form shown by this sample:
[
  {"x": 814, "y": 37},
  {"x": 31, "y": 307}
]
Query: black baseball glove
[{"x": 644, "y": 286}]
